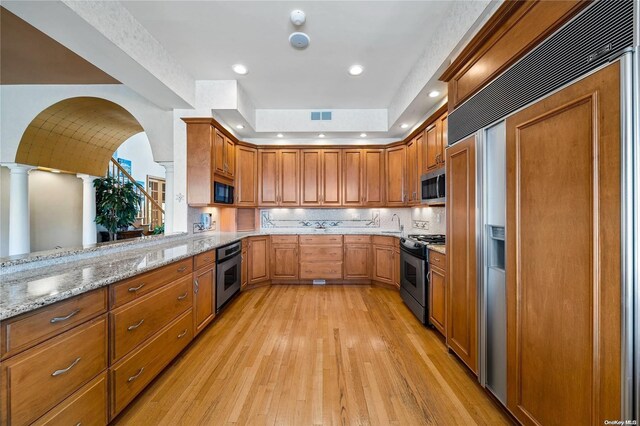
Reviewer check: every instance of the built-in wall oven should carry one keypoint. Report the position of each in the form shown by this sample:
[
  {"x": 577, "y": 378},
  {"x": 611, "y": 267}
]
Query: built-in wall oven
[
  {"x": 432, "y": 188},
  {"x": 228, "y": 273}
]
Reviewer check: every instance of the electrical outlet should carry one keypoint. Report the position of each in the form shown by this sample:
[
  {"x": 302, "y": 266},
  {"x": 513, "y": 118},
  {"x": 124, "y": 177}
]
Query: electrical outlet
[{"x": 438, "y": 217}]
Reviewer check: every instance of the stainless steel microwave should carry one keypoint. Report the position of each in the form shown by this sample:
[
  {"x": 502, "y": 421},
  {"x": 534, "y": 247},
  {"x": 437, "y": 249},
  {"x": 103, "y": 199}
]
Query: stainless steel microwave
[
  {"x": 432, "y": 187},
  {"x": 222, "y": 193}
]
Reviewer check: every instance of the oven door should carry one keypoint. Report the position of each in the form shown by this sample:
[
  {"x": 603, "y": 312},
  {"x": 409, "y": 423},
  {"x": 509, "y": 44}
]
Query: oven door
[
  {"x": 227, "y": 280},
  {"x": 412, "y": 276}
]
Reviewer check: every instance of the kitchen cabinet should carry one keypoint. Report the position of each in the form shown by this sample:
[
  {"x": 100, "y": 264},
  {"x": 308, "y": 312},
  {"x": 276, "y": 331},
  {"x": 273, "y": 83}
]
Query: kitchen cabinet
[
  {"x": 396, "y": 266},
  {"x": 462, "y": 333},
  {"x": 383, "y": 259},
  {"x": 363, "y": 177},
  {"x": 321, "y": 172},
  {"x": 200, "y": 162},
  {"x": 244, "y": 265},
  {"x": 204, "y": 287},
  {"x": 563, "y": 254},
  {"x": 279, "y": 177},
  {"x": 396, "y": 165},
  {"x": 435, "y": 144},
  {"x": 258, "y": 259},
  {"x": 352, "y": 177},
  {"x": 224, "y": 154},
  {"x": 321, "y": 257},
  {"x": 413, "y": 169},
  {"x": 246, "y": 176},
  {"x": 437, "y": 291},
  {"x": 357, "y": 257},
  {"x": 284, "y": 257}
]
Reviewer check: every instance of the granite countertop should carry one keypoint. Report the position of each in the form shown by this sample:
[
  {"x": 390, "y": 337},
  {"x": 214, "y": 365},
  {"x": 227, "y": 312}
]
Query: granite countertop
[
  {"x": 34, "y": 281},
  {"x": 440, "y": 248}
]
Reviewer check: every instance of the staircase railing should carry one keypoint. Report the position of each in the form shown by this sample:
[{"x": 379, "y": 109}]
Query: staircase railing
[{"x": 148, "y": 206}]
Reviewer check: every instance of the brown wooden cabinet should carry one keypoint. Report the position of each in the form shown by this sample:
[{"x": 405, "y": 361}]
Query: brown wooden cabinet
[
  {"x": 200, "y": 162},
  {"x": 383, "y": 259},
  {"x": 413, "y": 169},
  {"x": 353, "y": 182},
  {"x": 321, "y": 174},
  {"x": 284, "y": 257},
  {"x": 278, "y": 177},
  {"x": 224, "y": 154},
  {"x": 435, "y": 145},
  {"x": 246, "y": 176},
  {"x": 563, "y": 241},
  {"x": 363, "y": 181},
  {"x": 437, "y": 292},
  {"x": 258, "y": 259},
  {"x": 396, "y": 164},
  {"x": 357, "y": 257},
  {"x": 204, "y": 296},
  {"x": 396, "y": 266},
  {"x": 462, "y": 333},
  {"x": 244, "y": 265}
]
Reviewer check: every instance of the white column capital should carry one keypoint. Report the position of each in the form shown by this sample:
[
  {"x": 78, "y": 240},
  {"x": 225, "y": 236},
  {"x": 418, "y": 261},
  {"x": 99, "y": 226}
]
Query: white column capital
[
  {"x": 17, "y": 168},
  {"x": 86, "y": 177},
  {"x": 168, "y": 165}
]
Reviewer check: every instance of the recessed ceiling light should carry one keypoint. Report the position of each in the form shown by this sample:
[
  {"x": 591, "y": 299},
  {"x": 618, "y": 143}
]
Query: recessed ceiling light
[
  {"x": 404, "y": 125},
  {"x": 434, "y": 93},
  {"x": 280, "y": 135},
  {"x": 239, "y": 127},
  {"x": 55, "y": 171},
  {"x": 355, "y": 69},
  {"x": 240, "y": 69},
  {"x": 321, "y": 135},
  {"x": 363, "y": 135}
]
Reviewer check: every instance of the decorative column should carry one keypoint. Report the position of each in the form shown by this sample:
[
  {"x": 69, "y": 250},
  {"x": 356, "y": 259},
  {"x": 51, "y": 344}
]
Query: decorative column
[
  {"x": 169, "y": 196},
  {"x": 89, "y": 227},
  {"x": 19, "y": 220}
]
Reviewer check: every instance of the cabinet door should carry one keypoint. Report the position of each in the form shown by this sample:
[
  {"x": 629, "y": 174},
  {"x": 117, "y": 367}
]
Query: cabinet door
[
  {"x": 284, "y": 261},
  {"x": 311, "y": 174},
  {"x": 352, "y": 177},
  {"x": 331, "y": 177},
  {"x": 443, "y": 138},
  {"x": 268, "y": 177},
  {"x": 412, "y": 171},
  {"x": 461, "y": 251},
  {"x": 357, "y": 261},
  {"x": 289, "y": 178},
  {"x": 244, "y": 279},
  {"x": 563, "y": 299},
  {"x": 229, "y": 157},
  {"x": 396, "y": 267},
  {"x": 373, "y": 177},
  {"x": 199, "y": 166},
  {"x": 203, "y": 298},
  {"x": 258, "y": 259},
  {"x": 246, "y": 176},
  {"x": 383, "y": 264},
  {"x": 437, "y": 299},
  {"x": 396, "y": 166},
  {"x": 432, "y": 148},
  {"x": 219, "y": 147}
]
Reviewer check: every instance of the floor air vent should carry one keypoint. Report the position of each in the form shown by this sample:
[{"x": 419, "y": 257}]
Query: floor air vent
[{"x": 600, "y": 32}]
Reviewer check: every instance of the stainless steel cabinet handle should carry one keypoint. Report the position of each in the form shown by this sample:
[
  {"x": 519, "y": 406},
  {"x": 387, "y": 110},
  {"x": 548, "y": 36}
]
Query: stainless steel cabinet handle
[
  {"x": 196, "y": 285},
  {"x": 182, "y": 269},
  {"x": 59, "y": 319},
  {"x": 184, "y": 296},
  {"x": 64, "y": 370},
  {"x": 181, "y": 335},
  {"x": 134, "y": 289},
  {"x": 79, "y": 424},
  {"x": 135, "y": 376},
  {"x": 133, "y": 327}
]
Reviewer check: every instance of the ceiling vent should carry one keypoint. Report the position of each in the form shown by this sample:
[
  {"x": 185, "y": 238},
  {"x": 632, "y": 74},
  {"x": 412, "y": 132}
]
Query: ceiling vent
[{"x": 321, "y": 115}]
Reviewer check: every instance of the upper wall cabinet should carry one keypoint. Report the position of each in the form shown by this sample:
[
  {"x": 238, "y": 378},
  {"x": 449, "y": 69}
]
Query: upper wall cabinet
[
  {"x": 278, "y": 177},
  {"x": 321, "y": 172},
  {"x": 224, "y": 155},
  {"x": 363, "y": 174},
  {"x": 200, "y": 162},
  {"x": 246, "y": 176},
  {"x": 434, "y": 145},
  {"x": 512, "y": 31},
  {"x": 396, "y": 165}
]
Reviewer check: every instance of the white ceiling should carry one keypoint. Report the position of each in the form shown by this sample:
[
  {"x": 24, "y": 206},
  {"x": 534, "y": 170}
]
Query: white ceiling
[{"x": 386, "y": 37}]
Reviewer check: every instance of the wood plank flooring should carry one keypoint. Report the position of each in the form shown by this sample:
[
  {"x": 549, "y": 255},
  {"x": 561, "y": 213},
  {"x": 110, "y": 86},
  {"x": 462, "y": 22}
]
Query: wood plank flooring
[{"x": 315, "y": 355}]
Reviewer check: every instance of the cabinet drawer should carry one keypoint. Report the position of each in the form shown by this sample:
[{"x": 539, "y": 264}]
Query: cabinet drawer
[
  {"x": 135, "y": 322},
  {"x": 320, "y": 253},
  {"x": 138, "y": 286},
  {"x": 133, "y": 373},
  {"x": 86, "y": 407},
  {"x": 321, "y": 270},
  {"x": 437, "y": 259},
  {"x": 40, "y": 378},
  {"x": 30, "y": 329},
  {"x": 284, "y": 239},
  {"x": 320, "y": 239},
  {"x": 357, "y": 239},
  {"x": 383, "y": 240},
  {"x": 204, "y": 259}
]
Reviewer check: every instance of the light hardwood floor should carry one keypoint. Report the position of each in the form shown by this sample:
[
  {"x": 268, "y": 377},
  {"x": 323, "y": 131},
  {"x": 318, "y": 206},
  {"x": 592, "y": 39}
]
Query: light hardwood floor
[{"x": 323, "y": 355}]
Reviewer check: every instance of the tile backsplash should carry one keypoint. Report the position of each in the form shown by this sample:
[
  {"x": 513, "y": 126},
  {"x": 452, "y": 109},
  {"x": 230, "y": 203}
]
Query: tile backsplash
[
  {"x": 299, "y": 218},
  {"x": 428, "y": 220},
  {"x": 194, "y": 218}
]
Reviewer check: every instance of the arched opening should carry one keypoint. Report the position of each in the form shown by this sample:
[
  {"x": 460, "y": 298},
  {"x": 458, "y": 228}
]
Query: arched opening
[{"x": 82, "y": 137}]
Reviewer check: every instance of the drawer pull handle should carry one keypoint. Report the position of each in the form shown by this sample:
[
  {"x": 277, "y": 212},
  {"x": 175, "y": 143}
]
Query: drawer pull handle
[
  {"x": 196, "y": 286},
  {"x": 184, "y": 296},
  {"x": 134, "y": 289},
  {"x": 182, "y": 269},
  {"x": 59, "y": 319},
  {"x": 135, "y": 376},
  {"x": 133, "y": 327},
  {"x": 181, "y": 335},
  {"x": 64, "y": 370},
  {"x": 79, "y": 424}
]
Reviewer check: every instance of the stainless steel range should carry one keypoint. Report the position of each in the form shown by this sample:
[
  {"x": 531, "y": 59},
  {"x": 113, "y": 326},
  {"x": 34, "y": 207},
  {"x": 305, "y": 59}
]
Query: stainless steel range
[{"x": 414, "y": 283}]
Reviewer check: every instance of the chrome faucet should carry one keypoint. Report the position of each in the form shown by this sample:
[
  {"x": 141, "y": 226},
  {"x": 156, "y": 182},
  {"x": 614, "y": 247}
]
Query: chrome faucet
[{"x": 399, "y": 224}]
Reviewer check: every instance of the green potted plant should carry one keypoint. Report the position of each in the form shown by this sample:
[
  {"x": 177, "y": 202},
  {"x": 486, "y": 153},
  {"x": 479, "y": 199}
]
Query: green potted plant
[{"x": 116, "y": 204}]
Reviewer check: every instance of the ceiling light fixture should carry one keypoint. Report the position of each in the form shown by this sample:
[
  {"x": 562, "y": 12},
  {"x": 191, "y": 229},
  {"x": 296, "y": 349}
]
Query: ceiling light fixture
[
  {"x": 434, "y": 94},
  {"x": 240, "y": 69},
  {"x": 321, "y": 135},
  {"x": 280, "y": 135},
  {"x": 298, "y": 17},
  {"x": 363, "y": 135},
  {"x": 356, "y": 70},
  {"x": 299, "y": 40},
  {"x": 239, "y": 126},
  {"x": 55, "y": 171},
  {"x": 404, "y": 125}
]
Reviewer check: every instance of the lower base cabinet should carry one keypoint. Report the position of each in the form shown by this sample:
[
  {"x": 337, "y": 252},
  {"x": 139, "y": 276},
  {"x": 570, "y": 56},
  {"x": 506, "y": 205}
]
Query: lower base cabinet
[
  {"x": 383, "y": 259},
  {"x": 204, "y": 297},
  {"x": 258, "y": 260},
  {"x": 244, "y": 266},
  {"x": 437, "y": 292}
]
